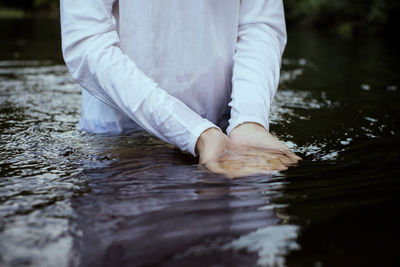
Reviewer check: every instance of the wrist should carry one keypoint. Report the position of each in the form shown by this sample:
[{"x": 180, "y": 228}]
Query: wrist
[
  {"x": 205, "y": 137},
  {"x": 209, "y": 144},
  {"x": 247, "y": 127}
]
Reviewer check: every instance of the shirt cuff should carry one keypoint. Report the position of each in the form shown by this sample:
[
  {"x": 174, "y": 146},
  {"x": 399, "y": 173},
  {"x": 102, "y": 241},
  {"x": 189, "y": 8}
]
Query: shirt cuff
[
  {"x": 233, "y": 124},
  {"x": 195, "y": 134}
]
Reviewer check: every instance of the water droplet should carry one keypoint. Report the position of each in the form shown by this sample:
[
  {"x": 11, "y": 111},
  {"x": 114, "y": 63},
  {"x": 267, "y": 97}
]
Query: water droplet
[
  {"x": 365, "y": 87},
  {"x": 302, "y": 62}
]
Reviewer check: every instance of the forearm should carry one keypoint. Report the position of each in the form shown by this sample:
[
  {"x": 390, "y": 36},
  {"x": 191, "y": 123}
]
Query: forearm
[{"x": 257, "y": 61}]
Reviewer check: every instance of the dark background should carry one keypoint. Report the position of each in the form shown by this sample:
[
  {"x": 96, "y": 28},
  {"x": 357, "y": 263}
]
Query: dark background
[{"x": 347, "y": 18}]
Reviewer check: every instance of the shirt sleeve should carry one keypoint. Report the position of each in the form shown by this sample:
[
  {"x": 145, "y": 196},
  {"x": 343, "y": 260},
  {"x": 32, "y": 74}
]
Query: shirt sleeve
[
  {"x": 257, "y": 61},
  {"x": 91, "y": 51}
]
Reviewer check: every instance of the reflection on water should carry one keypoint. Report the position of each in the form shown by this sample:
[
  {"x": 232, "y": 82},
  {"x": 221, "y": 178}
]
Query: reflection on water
[
  {"x": 172, "y": 213},
  {"x": 74, "y": 199}
]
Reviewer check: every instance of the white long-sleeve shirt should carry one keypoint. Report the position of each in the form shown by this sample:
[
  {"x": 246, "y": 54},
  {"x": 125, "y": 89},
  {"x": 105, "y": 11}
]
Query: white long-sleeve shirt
[{"x": 173, "y": 66}]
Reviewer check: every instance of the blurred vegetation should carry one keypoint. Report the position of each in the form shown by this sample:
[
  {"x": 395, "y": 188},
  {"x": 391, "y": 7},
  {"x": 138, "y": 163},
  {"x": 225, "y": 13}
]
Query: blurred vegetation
[
  {"x": 343, "y": 16},
  {"x": 28, "y": 8},
  {"x": 346, "y": 17}
]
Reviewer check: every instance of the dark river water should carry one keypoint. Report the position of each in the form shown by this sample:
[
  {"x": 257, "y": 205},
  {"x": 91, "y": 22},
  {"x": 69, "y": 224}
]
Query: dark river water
[{"x": 73, "y": 199}]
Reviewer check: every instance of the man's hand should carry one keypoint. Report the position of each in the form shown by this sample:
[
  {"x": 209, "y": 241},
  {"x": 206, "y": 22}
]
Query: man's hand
[
  {"x": 250, "y": 135},
  {"x": 249, "y": 150}
]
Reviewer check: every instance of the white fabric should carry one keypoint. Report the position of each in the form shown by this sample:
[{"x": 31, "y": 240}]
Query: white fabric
[{"x": 173, "y": 66}]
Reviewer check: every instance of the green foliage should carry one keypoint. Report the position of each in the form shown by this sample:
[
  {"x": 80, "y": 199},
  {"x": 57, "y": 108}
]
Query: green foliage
[
  {"x": 30, "y": 5},
  {"x": 11, "y": 13},
  {"x": 346, "y": 16},
  {"x": 22, "y": 4},
  {"x": 52, "y": 4}
]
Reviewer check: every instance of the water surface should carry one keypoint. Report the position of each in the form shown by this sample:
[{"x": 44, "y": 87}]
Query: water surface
[{"x": 73, "y": 199}]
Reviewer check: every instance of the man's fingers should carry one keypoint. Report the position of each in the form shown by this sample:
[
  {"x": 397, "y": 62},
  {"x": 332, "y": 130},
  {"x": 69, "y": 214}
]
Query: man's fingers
[
  {"x": 292, "y": 156},
  {"x": 289, "y": 155},
  {"x": 286, "y": 156},
  {"x": 280, "y": 148},
  {"x": 285, "y": 160},
  {"x": 251, "y": 161},
  {"x": 234, "y": 165}
]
